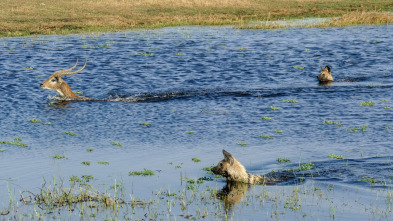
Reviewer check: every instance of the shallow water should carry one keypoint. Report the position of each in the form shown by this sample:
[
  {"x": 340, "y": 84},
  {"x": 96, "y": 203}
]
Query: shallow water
[{"x": 217, "y": 82}]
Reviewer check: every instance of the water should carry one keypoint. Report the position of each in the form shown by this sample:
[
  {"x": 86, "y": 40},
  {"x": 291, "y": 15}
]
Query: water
[{"x": 217, "y": 82}]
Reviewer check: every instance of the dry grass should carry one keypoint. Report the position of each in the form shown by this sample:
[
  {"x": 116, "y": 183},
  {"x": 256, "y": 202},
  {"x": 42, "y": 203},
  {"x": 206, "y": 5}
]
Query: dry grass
[{"x": 24, "y": 17}]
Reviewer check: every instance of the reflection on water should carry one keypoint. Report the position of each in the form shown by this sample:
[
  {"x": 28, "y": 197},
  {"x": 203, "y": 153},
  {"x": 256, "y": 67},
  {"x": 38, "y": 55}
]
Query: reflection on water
[{"x": 232, "y": 193}]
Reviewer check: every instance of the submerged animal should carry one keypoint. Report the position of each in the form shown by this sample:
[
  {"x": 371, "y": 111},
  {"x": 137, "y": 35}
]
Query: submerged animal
[
  {"x": 234, "y": 171},
  {"x": 325, "y": 75},
  {"x": 55, "y": 82}
]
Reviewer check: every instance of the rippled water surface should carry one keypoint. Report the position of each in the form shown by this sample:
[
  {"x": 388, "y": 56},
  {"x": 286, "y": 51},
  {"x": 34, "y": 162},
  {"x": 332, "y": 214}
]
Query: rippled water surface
[{"x": 201, "y": 90}]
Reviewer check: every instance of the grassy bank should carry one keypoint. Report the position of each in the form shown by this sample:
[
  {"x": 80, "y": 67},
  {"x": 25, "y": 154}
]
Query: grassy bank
[{"x": 26, "y": 17}]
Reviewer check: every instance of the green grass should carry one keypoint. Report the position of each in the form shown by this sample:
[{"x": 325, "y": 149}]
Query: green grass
[
  {"x": 305, "y": 166},
  {"x": 145, "y": 172},
  {"x": 103, "y": 162}
]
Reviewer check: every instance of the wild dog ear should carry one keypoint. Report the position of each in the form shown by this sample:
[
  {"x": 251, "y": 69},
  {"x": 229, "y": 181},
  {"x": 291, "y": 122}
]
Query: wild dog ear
[
  {"x": 321, "y": 68},
  {"x": 328, "y": 68},
  {"x": 228, "y": 157}
]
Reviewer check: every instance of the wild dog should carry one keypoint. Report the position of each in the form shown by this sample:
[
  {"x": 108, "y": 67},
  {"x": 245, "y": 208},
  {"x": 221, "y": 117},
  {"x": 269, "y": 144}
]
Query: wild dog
[
  {"x": 234, "y": 171},
  {"x": 325, "y": 75}
]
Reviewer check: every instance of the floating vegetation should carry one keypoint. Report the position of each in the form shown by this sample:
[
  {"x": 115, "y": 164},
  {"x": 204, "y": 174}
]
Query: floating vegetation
[
  {"x": 29, "y": 68},
  {"x": 103, "y": 162},
  {"x": 242, "y": 143},
  {"x": 1, "y": 150},
  {"x": 356, "y": 129},
  {"x": 87, "y": 163},
  {"x": 367, "y": 103},
  {"x": 334, "y": 156},
  {"x": 290, "y": 101},
  {"x": 387, "y": 108},
  {"x": 298, "y": 67},
  {"x": 369, "y": 180},
  {"x": 79, "y": 92},
  {"x": 273, "y": 108},
  {"x": 190, "y": 132},
  {"x": 306, "y": 49},
  {"x": 278, "y": 131},
  {"x": 389, "y": 127},
  {"x": 116, "y": 143},
  {"x": 145, "y": 172},
  {"x": 283, "y": 160},
  {"x": 89, "y": 149},
  {"x": 35, "y": 121},
  {"x": 195, "y": 159},
  {"x": 306, "y": 166},
  {"x": 47, "y": 123},
  {"x": 266, "y": 136},
  {"x": 214, "y": 112},
  {"x": 332, "y": 122},
  {"x": 15, "y": 142},
  {"x": 384, "y": 100},
  {"x": 145, "y": 124},
  {"x": 208, "y": 169},
  {"x": 58, "y": 157},
  {"x": 146, "y": 54},
  {"x": 267, "y": 118},
  {"x": 70, "y": 133}
]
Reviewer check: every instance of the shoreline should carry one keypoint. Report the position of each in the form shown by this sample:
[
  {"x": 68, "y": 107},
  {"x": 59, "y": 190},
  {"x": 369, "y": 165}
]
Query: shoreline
[{"x": 46, "y": 17}]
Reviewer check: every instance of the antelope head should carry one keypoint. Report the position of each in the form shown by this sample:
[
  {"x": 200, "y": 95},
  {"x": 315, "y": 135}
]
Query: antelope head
[
  {"x": 325, "y": 75},
  {"x": 55, "y": 82}
]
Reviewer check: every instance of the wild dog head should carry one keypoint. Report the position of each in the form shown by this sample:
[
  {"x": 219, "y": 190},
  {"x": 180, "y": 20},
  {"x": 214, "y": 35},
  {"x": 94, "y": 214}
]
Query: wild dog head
[
  {"x": 230, "y": 168},
  {"x": 325, "y": 75}
]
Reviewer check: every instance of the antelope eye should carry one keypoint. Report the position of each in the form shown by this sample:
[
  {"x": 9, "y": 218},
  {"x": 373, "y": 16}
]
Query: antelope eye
[{"x": 53, "y": 80}]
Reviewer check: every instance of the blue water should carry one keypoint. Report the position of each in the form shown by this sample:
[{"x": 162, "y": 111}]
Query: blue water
[{"x": 217, "y": 82}]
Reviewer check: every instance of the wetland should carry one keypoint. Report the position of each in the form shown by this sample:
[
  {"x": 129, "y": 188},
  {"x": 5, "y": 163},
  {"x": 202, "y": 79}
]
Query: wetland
[{"x": 174, "y": 98}]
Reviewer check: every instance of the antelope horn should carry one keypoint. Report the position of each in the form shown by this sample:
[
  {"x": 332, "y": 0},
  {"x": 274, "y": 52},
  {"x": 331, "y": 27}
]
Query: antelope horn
[
  {"x": 71, "y": 73},
  {"x": 61, "y": 72}
]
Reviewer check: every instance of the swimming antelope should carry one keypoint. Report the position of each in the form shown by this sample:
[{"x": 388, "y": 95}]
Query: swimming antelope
[
  {"x": 325, "y": 75},
  {"x": 55, "y": 82}
]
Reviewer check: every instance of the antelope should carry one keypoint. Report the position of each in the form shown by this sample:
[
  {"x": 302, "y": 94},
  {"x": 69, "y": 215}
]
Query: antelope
[
  {"x": 325, "y": 75},
  {"x": 55, "y": 82},
  {"x": 234, "y": 171}
]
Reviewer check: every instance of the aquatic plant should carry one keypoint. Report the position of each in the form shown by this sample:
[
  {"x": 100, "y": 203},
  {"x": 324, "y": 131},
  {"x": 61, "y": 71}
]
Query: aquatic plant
[
  {"x": 242, "y": 143},
  {"x": 278, "y": 131},
  {"x": 369, "y": 180},
  {"x": 29, "y": 68},
  {"x": 208, "y": 169},
  {"x": 103, "y": 162},
  {"x": 267, "y": 118},
  {"x": 58, "y": 157},
  {"x": 332, "y": 122},
  {"x": 116, "y": 143},
  {"x": 298, "y": 67},
  {"x": 190, "y": 132},
  {"x": 367, "y": 103},
  {"x": 145, "y": 172},
  {"x": 283, "y": 160},
  {"x": 15, "y": 142},
  {"x": 79, "y": 92},
  {"x": 290, "y": 101},
  {"x": 273, "y": 108},
  {"x": 334, "y": 156},
  {"x": 195, "y": 159},
  {"x": 389, "y": 127},
  {"x": 89, "y": 149},
  {"x": 33, "y": 120},
  {"x": 266, "y": 136},
  {"x": 70, "y": 133},
  {"x": 47, "y": 123},
  {"x": 86, "y": 163},
  {"x": 387, "y": 108},
  {"x": 355, "y": 129},
  {"x": 384, "y": 100},
  {"x": 145, "y": 124},
  {"x": 305, "y": 166}
]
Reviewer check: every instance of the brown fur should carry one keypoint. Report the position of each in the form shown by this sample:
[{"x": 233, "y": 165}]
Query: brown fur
[
  {"x": 55, "y": 82},
  {"x": 232, "y": 193},
  {"x": 325, "y": 75},
  {"x": 234, "y": 171}
]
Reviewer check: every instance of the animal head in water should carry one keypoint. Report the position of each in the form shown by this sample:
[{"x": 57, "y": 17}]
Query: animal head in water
[
  {"x": 325, "y": 75},
  {"x": 230, "y": 168},
  {"x": 55, "y": 82}
]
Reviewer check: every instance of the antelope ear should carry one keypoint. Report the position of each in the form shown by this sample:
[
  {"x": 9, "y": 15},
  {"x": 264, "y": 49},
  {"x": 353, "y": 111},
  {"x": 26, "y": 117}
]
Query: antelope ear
[
  {"x": 228, "y": 157},
  {"x": 59, "y": 80}
]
